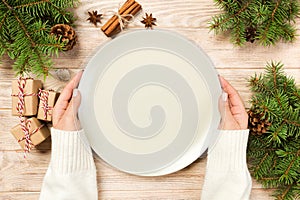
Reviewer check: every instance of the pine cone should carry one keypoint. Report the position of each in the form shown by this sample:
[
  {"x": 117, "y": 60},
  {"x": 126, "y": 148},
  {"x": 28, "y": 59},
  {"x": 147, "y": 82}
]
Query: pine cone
[
  {"x": 251, "y": 34},
  {"x": 64, "y": 33},
  {"x": 256, "y": 124}
]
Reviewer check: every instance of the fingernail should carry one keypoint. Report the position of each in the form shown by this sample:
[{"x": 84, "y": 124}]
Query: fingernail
[
  {"x": 224, "y": 96},
  {"x": 75, "y": 92}
]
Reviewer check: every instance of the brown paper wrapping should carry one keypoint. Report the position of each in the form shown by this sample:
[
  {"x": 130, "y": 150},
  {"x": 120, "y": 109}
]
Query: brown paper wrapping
[
  {"x": 31, "y": 102},
  {"x": 51, "y": 102},
  {"x": 36, "y": 138}
]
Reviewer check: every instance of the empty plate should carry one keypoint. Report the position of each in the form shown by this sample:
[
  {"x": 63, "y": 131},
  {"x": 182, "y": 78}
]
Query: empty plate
[{"x": 149, "y": 102}]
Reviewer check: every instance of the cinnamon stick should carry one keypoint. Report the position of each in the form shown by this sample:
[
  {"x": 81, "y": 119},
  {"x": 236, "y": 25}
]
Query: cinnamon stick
[
  {"x": 116, "y": 22},
  {"x": 136, "y": 10},
  {"x": 118, "y": 28},
  {"x": 124, "y": 7},
  {"x": 131, "y": 7}
]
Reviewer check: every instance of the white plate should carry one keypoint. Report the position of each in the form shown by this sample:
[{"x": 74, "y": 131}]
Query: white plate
[{"x": 149, "y": 102}]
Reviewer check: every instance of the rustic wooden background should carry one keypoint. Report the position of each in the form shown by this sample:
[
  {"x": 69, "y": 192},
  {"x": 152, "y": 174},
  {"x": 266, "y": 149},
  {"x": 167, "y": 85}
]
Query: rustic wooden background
[{"x": 22, "y": 178}]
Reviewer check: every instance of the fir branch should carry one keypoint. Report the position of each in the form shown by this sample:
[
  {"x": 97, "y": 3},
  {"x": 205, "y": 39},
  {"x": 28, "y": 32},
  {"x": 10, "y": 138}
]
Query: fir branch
[
  {"x": 256, "y": 84},
  {"x": 6, "y": 4},
  {"x": 292, "y": 163},
  {"x": 265, "y": 21},
  {"x": 297, "y": 95},
  {"x": 275, "y": 9},
  {"x": 264, "y": 38},
  {"x": 21, "y": 65},
  {"x": 275, "y": 155},
  {"x": 270, "y": 178},
  {"x": 50, "y": 45},
  {"x": 282, "y": 197},
  {"x": 291, "y": 122},
  {"x": 39, "y": 30},
  {"x": 59, "y": 10},
  {"x": 215, "y": 26},
  {"x": 31, "y": 4},
  {"x": 274, "y": 72},
  {"x": 39, "y": 60},
  {"x": 25, "y": 32},
  {"x": 23, "y": 28},
  {"x": 3, "y": 20}
]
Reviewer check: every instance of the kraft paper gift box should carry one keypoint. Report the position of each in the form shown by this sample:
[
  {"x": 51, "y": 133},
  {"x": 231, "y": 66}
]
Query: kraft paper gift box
[
  {"x": 30, "y": 92},
  {"x": 47, "y": 101},
  {"x": 38, "y": 132}
]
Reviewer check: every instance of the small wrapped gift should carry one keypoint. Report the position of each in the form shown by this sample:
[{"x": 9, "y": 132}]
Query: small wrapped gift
[
  {"x": 24, "y": 96},
  {"x": 30, "y": 132},
  {"x": 47, "y": 101}
]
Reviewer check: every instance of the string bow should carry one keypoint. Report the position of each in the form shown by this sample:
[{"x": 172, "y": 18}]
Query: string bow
[{"x": 122, "y": 18}]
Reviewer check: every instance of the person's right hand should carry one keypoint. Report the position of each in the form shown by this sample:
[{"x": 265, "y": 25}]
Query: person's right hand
[
  {"x": 65, "y": 110},
  {"x": 233, "y": 113}
]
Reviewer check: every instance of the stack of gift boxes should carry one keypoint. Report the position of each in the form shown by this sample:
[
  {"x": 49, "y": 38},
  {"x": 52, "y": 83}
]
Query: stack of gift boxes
[{"x": 34, "y": 107}]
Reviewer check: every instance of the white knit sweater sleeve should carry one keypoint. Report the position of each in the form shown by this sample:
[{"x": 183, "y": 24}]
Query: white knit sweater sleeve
[
  {"x": 227, "y": 175},
  {"x": 71, "y": 173}
]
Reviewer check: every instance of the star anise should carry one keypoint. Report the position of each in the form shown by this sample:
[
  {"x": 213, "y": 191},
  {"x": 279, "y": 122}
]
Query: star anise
[
  {"x": 149, "y": 21},
  {"x": 94, "y": 17}
]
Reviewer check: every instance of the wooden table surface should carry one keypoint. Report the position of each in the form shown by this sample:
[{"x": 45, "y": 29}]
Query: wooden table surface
[{"x": 22, "y": 178}]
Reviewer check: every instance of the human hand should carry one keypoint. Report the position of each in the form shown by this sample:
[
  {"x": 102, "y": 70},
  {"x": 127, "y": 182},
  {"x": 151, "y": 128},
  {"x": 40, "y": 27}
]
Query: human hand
[
  {"x": 65, "y": 110},
  {"x": 233, "y": 113}
]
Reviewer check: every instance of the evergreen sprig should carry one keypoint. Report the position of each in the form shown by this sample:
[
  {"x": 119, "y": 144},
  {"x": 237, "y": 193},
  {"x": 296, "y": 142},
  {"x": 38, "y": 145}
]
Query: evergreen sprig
[
  {"x": 266, "y": 21},
  {"x": 274, "y": 156},
  {"x": 25, "y": 32}
]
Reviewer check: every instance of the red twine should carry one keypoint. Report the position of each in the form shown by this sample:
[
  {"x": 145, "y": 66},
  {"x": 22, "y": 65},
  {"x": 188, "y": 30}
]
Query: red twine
[
  {"x": 21, "y": 95},
  {"x": 43, "y": 95},
  {"x": 25, "y": 126}
]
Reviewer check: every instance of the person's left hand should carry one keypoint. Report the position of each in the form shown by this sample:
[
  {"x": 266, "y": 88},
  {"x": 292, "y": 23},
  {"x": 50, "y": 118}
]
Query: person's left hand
[
  {"x": 65, "y": 110},
  {"x": 231, "y": 106}
]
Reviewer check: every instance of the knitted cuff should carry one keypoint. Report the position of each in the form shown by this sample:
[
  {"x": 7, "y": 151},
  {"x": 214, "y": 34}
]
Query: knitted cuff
[
  {"x": 71, "y": 152},
  {"x": 229, "y": 150}
]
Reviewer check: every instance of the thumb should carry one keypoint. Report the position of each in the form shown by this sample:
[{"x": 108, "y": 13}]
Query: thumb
[
  {"x": 224, "y": 105},
  {"x": 75, "y": 102},
  {"x": 224, "y": 109},
  {"x": 70, "y": 119}
]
